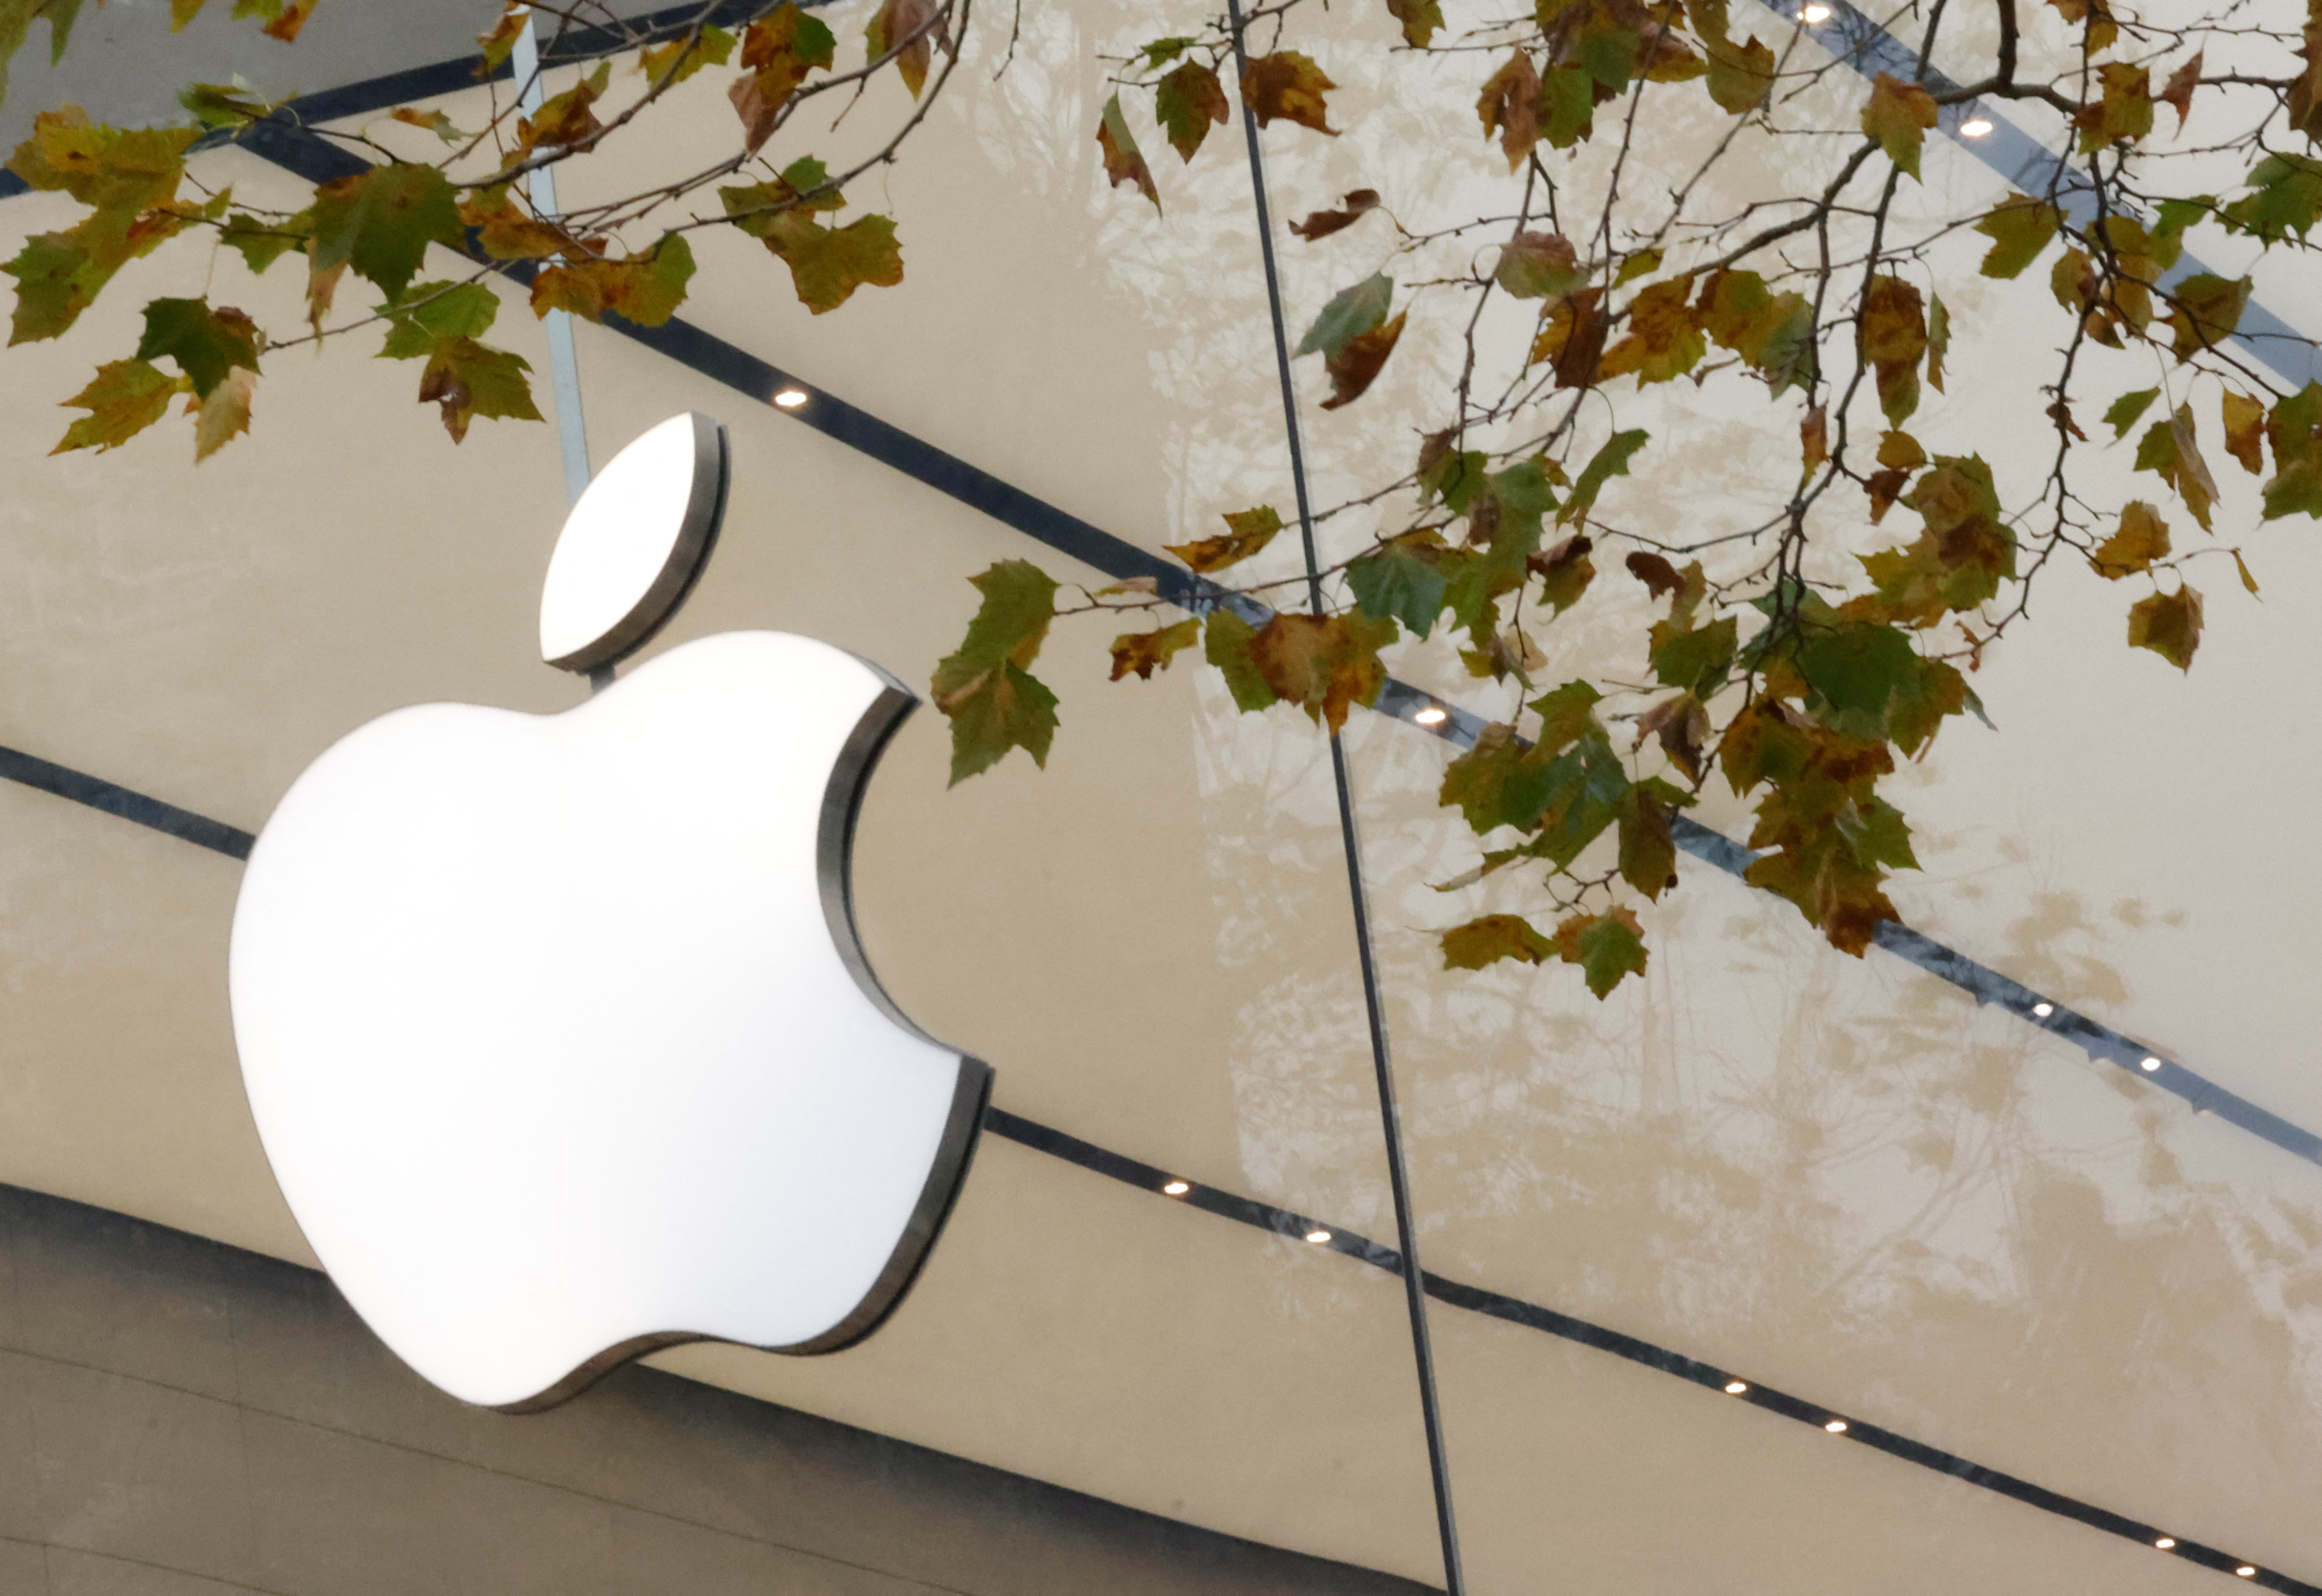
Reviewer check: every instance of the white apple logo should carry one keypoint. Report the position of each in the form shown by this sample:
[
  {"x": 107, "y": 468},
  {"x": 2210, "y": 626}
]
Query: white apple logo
[{"x": 556, "y": 1028}]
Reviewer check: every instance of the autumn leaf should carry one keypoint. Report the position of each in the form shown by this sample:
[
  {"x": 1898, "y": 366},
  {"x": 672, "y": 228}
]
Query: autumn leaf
[
  {"x": 1664, "y": 343},
  {"x": 1901, "y": 451},
  {"x": 563, "y": 121},
  {"x": 1681, "y": 723},
  {"x": 1288, "y": 85},
  {"x": 1610, "y": 461},
  {"x": 1573, "y": 339},
  {"x": 1226, "y": 644},
  {"x": 1894, "y": 337},
  {"x": 464, "y": 379},
  {"x": 1404, "y": 580},
  {"x": 2244, "y": 419},
  {"x": 1324, "y": 664},
  {"x": 1353, "y": 368},
  {"x": 646, "y": 289},
  {"x": 1420, "y": 20},
  {"x": 434, "y": 121},
  {"x": 2094, "y": 19},
  {"x": 2206, "y": 310},
  {"x": 2123, "y": 413},
  {"x": 206, "y": 343},
  {"x": 902, "y": 27},
  {"x": 381, "y": 222},
  {"x": 124, "y": 398},
  {"x": 223, "y": 414},
  {"x": 675, "y": 60},
  {"x": 985, "y": 688},
  {"x": 284, "y": 18},
  {"x": 2182, "y": 82},
  {"x": 2122, "y": 112},
  {"x": 497, "y": 42},
  {"x": 2294, "y": 431},
  {"x": 1350, "y": 314},
  {"x": 1606, "y": 947},
  {"x": 2143, "y": 538},
  {"x": 1693, "y": 658},
  {"x": 1124, "y": 162},
  {"x": 1145, "y": 652},
  {"x": 1658, "y": 576},
  {"x": 1567, "y": 107},
  {"x": 2285, "y": 197},
  {"x": 1898, "y": 115},
  {"x": 1647, "y": 853},
  {"x": 1187, "y": 103},
  {"x": 1246, "y": 532},
  {"x": 1507, "y": 107},
  {"x": 1813, "y": 439},
  {"x": 2019, "y": 230},
  {"x": 2169, "y": 450},
  {"x": 2169, "y": 623},
  {"x": 827, "y": 264},
  {"x": 1563, "y": 571},
  {"x": 220, "y": 106},
  {"x": 778, "y": 51},
  {"x": 1323, "y": 223},
  {"x": 1939, "y": 340},
  {"x": 1740, "y": 75},
  {"x": 1487, "y": 941}
]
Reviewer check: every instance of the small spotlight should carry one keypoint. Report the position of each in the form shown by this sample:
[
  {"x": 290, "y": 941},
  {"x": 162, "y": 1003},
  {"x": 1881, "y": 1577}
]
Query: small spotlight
[
  {"x": 2166, "y": 1542},
  {"x": 1318, "y": 1236},
  {"x": 1815, "y": 14},
  {"x": 1177, "y": 1188},
  {"x": 2246, "y": 1572},
  {"x": 1734, "y": 1388},
  {"x": 1836, "y": 1427},
  {"x": 1431, "y": 716},
  {"x": 2043, "y": 1010},
  {"x": 2150, "y": 1065},
  {"x": 1975, "y": 127},
  {"x": 790, "y": 398}
]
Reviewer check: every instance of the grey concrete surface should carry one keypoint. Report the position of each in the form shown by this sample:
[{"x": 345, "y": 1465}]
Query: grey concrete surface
[{"x": 181, "y": 1418}]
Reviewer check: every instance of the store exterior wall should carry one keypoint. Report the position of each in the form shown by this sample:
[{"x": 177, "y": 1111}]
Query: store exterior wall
[{"x": 178, "y": 1417}]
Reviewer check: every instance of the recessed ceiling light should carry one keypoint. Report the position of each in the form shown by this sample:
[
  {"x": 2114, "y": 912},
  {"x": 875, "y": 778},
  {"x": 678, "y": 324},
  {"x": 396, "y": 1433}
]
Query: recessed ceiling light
[
  {"x": 1431, "y": 716},
  {"x": 1177, "y": 1188},
  {"x": 1975, "y": 127},
  {"x": 1836, "y": 1427},
  {"x": 2043, "y": 1010},
  {"x": 1734, "y": 1388},
  {"x": 790, "y": 398},
  {"x": 2246, "y": 1572},
  {"x": 2165, "y": 1542},
  {"x": 1815, "y": 14},
  {"x": 1318, "y": 1236},
  {"x": 2149, "y": 1065}
]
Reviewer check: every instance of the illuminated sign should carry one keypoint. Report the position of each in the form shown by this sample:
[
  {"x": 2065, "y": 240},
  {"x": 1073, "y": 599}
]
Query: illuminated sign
[{"x": 556, "y": 1027}]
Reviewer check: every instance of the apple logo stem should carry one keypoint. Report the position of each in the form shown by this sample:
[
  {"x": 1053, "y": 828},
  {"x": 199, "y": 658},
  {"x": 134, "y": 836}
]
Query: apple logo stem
[{"x": 557, "y": 1029}]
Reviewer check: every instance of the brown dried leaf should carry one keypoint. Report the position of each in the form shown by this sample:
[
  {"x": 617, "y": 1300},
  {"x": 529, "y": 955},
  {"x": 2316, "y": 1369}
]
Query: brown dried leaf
[
  {"x": 1355, "y": 366},
  {"x": 1323, "y": 223},
  {"x": 1288, "y": 85}
]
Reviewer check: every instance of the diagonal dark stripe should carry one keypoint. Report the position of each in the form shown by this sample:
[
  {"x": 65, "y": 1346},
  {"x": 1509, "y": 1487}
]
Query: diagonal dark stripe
[{"x": 98, "y": 793}]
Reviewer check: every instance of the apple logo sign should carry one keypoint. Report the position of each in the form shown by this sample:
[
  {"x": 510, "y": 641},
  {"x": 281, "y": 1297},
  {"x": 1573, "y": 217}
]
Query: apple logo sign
[{"x": 556, "y": 1028}]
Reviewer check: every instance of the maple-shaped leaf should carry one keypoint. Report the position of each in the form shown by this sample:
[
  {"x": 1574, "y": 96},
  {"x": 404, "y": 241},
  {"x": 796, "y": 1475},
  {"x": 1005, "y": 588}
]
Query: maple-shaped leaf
[
  {"x": 2019, "y": 230},
  {"x": 1898, "y": 116},
  {"x": 1681, "y": 723},
  {"x": 2206, "y": 310},
  {"x": 497, "y": 42},
  {"x": 2244, "y": 419},
  {"x": 1610, "y": 461},
  {"x": 381, "y": 222},
  {"x": 205, "y": 342},
  {"x": 2143, "y": 538},
  {"x": 1357, "y": 362},
  {"x": 1498, "y": 782},
  {"x": 1539, "y": 265},
  {"x": 985, "y": 688},
  {"x": 1188, "y": 104},
  {"x": 2182, "y": 82},
  {"x": 1567, "y": 112},
  {"x": 1606, "y": 946},
  {"x": 1324, "y": 664},
  {"x": 1693, "y": 658},
  {"x": 221, "y": 106},
  {"x": 1665, "y": 341},
  {"x": 1740, "y": 75},
  {"x": 2094, "y": 19},
  {"x": 1740, "y": 313},
  {"x": 1357, "y": 205},
  {"x": 107, "y": 169},
  {"x": 1225, "y": 644},
  {"x": 827, "y": 264},
  {"x": 1124, "y": 162},
  {"x": 1420, "y": 20},
  {"x": 1493, "y": 937},
  {"x": 2123, "y": 112},
  {"x": 911, "y": 29},
  {"x": 2169, "y": 450},
  {"x": 674, "y": 61},
  {"x": 2169, "y": 623},
  {"x": 2285, "y": 197},
  {"x": 1247, "y": 532},
  {"x": 506, "y": 232},
  {"x": 437, "y": 310},
  {"x": 2294, "y": 431},
  {"x": 223, "y": 414},
  {"x": 1288, "y": 85},
  {"x": 1563, "y": 571},
  {"x": 1404, "y": 580},
  {"x": 464, "y": 380},
  {"x": 124, "y": 398},
  {"x": 563, "y": 121},
  {"x": 1145, "y": 652},
  {"x": 1648, "y": 853},
  {"x": 644, "y": 289},
  {"x": 778, "y": 51},
  {"x": 284, "y": 18},
  {"x": 1508, "y": 106}
]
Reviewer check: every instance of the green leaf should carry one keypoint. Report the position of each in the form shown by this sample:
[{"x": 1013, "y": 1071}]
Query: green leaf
[
  {"x": 644, "y": 289},
  {"x": 1225, "y": 644},
  {"x": 2019, "y": 230},
  {"x": 2287, "y": 198},
  {"x": 2208, "y": 309},
  {"x": 1606, "y": 947},
  {"x": 465, "y": 379},
  {"x": 124, "y": 398},
  {"x": 2169, "y": 450},
  {"x": 1609, "y": 461},
  {"x": 381, "y": 221},
  {"x": 1567, "y": 112},
  {"x": 1647, "y": 857},
  {"x": 206, "y": 343},
  {"x": 2294, "y": 432},
  {"x": 1020, "y": 601},
  {"x": 224, "y": 106},
  {"x": 1420, "y": 20},
  {"x": 1539, "y": 265},
  {"x": 1498, "y": 781},
  {"x": 985, "y": 689},
  {"x": 1246, "y": 532},
  {"x": 1492, "y": 938},
  {"x": 1696, "y": 661},
  {"x": 1739, "y": 74},
  {"x": 1188, "y": 104},
  {"x": 827, "y": 264},
  {"x": 2122, "y": 415},
  {"x": 1404, "y": 580},
  {"x": 1855, "y": 672},
  {"x": 437, "y": 310},
  {"x": 1348, "y": 316},
  {"x": 1124, "y": 162}
]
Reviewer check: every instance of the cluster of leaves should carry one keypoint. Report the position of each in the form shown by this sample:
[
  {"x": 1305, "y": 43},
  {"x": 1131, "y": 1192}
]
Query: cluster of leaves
[
  {"x": 1799, "y": 672},
  {"x": 476, "y": 202}
]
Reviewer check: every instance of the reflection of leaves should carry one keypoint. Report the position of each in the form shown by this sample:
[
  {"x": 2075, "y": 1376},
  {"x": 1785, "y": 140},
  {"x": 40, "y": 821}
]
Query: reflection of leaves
[
  {"x": 1288, "y": 85},
  {"x": 1124, "y": 162},
  {"x": 1148, "y": 651},
  {"x": 1247, "y": 532},
  {"x": 2169, "y": 623},
  {"x": 985, "y": 688}
]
